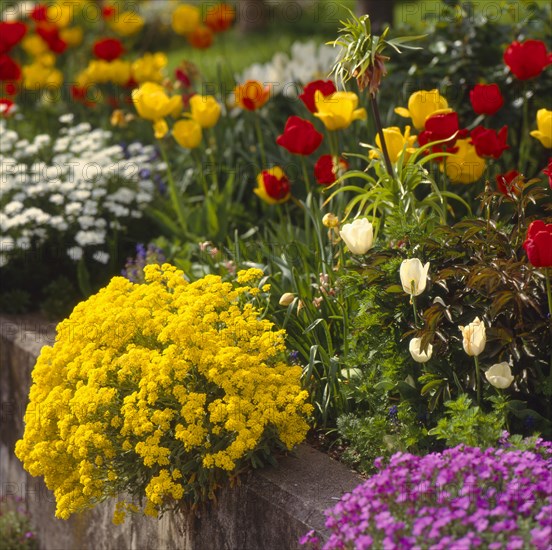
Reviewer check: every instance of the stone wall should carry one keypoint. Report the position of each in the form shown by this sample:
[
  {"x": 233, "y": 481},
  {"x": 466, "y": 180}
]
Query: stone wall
[{"x": 268, "y": 510}]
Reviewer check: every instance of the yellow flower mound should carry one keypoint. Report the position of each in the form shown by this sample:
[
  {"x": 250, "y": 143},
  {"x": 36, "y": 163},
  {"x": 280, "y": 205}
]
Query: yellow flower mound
[{"x": 160, "y": 390}]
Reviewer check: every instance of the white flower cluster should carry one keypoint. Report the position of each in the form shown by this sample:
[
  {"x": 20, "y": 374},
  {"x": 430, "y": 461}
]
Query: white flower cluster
[
  {"x": 77, "y": 183},
  {"x": 308, "y": 61}
]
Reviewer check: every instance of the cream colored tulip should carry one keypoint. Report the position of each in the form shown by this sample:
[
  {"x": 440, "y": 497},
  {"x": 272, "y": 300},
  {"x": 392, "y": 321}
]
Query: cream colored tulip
[
  {"x": 500, "y": 375},
  {"x": 414, "y": 276},
  {"x": 415, "y": 350},
  {"x": 358, "y": 236},
  {"x": 286, "y": 299},
  {"x": 474, "y": 337}
]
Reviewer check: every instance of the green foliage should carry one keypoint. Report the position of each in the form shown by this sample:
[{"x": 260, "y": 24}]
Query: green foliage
[
  {"x": 15, "y": 528},
  {"x": 467, "y": 424}
]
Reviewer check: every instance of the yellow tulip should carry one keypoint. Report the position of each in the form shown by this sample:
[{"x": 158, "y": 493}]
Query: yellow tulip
[
  {"x": 119, "y": 71},
  {"x": 60, "y": 14},
  {"x": 396, "y": 141},
  {"x": 148, "y": 68},
  {"x": 73, "y": 36},
  {"x": 34, "y": 45},
  {"x": 205, "y": 110},
  {"x": 152, "y": 103},
  {"x": 187, "y": 133},
  {"x": 464, "y": 166},
  {"x": 273, "y": 186},
  {"x": 338, "y": 110},
  {"x": 422, "y": 104},
  {"x": 36, "y": 76},
  {"x": 544, "y": 125},
  {"x": 46, "y": 59},
  {"x": 160, "y": 128},
  {"x": 98, "y": 71},
  {"x": 126, "y": 23},
  {"x": 186, "y": 19}
]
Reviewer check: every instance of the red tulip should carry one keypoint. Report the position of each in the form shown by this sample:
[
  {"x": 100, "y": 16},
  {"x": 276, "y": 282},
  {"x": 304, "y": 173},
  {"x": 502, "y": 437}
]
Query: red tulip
[
  {"x": 486, "y": 99},
  {"x": 273, "y": 186},
  {"x": 11, "y": 34},
  {"x": 548, "y": 172},
  {"x": 527, "y": 59},
  {"x": 489, "y": 143},
  {"x": 219, "y": 18},
  {"x": 108, "y": 49},
  {"x": 50, "y": 34},
  {"x": 505, "y": 182},
  {"x": 11, "y": 88},
  {"x": 201, "y": 38},
  {"x": 327, "y": 168},
  {"x": 6, "y": 107},
  {"x": 300, "y": 137},
  {"x": 538, "y": 244},
  {"x": 109, "y": 11},
  {"x": 9, "y": 69},
  {"x": 441, "y": 126},
  {"x": 39, "y": 13},
  {"x": 326, "y": 87}
]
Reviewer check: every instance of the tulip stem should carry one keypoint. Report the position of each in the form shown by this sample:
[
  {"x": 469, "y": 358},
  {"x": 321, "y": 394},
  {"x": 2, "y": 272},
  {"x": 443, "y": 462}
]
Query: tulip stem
[
  {"x": 260, "y": 140},
  {"x": 547, "y": 273},
  {"x": 445, "y": 202},
  {"x": 549, "y": 291},
  {"x": 201, "y": 173},
  {"x": 379, "y": 127},
  {"x": 305, "y": 174},
  {"x": 173, "y": 191},
  {"x": 413, "y": 302},
  {"x": 333, "y": 145},
  {"x": 212, "y": 147},
  {"x": 477, "y": 382}
]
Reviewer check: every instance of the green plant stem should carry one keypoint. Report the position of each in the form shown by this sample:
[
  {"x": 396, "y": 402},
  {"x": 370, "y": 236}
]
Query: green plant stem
[
  {"x": 379, "y": 128},
  {"x": 332, "y": 140},
  {"x": 524, "y": 131},
  {"x": 547, "y": 273},
  {"x": 305, "y": 174},
  {"x": 477, "y": 381},
  {"x": 201, "y": 174},
  {"x": 445, "y": 202},
  {"x": 260, "y": 140},
  {"x": 413, "y": 302},
  {"x": 173, "y": 191},
  {"x": 487, "y": 199},
  {"x": 212, "y": 147}
]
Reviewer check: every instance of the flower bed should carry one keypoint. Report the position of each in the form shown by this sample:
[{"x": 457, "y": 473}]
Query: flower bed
[{"x": 461, "y": 498}]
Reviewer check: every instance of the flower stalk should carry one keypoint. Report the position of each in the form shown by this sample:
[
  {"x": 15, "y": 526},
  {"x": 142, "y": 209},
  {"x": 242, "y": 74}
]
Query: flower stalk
[
  {"x": 379, "y": 128},
  {"x": 477, "y": 379}
]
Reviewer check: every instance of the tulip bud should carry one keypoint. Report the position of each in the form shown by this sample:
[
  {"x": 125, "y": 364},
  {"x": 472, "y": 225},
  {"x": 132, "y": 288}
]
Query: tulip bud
[
  {"x": 330, "y": 220},
  {"x": 415, "y": 350},
  {"x": 500, "y": 375},
  {"x": 286, "y": 299},
  {"x": 414, "y": 276},
  {"x": 474, "y": 337},
  {"x": 358, "y": 236}
]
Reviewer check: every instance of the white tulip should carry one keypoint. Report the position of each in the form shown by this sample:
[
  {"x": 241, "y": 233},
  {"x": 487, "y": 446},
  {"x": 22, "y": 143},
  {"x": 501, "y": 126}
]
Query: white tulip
[
  {"x": 415, "y": 350},
  {"x": 474, "y": 337},
  {"x": 358, "y": 236},
  {"x": 500, "y": 375},
  {"x": 286, "y": 299},
  {"x": 414, "y": 276}
]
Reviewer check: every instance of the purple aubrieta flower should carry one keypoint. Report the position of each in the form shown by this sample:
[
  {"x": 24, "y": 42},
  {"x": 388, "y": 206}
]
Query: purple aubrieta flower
[
  {"x": 462, "y": 498},
  {"x": 134, "y": 267}
]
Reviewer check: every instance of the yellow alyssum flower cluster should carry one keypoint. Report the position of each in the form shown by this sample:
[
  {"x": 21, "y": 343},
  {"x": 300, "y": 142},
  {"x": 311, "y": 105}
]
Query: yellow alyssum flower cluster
[{"x": 160, "y": 390}]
